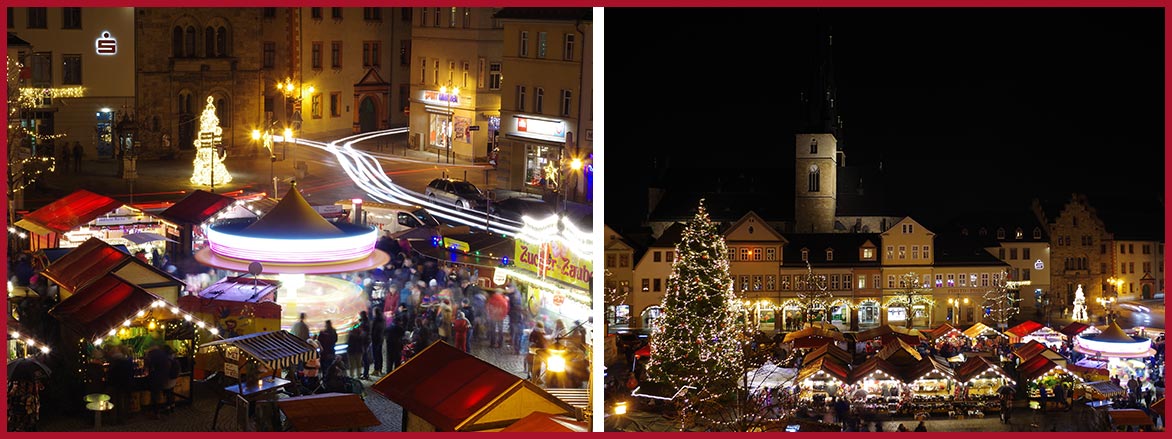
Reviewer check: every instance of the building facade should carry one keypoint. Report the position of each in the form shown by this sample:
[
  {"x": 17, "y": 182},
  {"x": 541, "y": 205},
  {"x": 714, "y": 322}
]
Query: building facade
[
  {"x": 77, "y": 60},
  {"x": 1079, "y": 250},
  {"x": 619, "y": 278},
  {"x": 1137, "y": 268},
  {"x": 455, "y": 82},
  {"x": 542, "y": 124}
]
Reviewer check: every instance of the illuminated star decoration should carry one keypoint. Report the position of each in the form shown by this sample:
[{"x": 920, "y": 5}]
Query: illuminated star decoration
[{"x": 206, "y": 158}]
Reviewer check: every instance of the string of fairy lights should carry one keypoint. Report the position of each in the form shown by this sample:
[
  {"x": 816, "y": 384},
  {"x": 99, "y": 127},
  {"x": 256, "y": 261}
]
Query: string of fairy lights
[{"x": 28, "y": 342}]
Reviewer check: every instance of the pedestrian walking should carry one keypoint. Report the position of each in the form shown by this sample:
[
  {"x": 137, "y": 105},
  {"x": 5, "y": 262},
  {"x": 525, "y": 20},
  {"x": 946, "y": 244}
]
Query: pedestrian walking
[
  {"x": 77, "y": 154},
  {"x": 300, "y": 329},
  {"x": 470, "y": 314},
  {"x": 497, "y": 307},
  {"x": 65, "y": 164},
  {"x": 356, "y": 346},
  {"x": 395, "y": 333},
  {"x": 901, "y": 427},
  {"x": 460, "y": 329},
  {"x": 158, "y": 365},
  {"x": 921, "y": 427},
  {"x": 1060, "y": 396},
  {"x": 328, "y": 338},
  {"x": 120, "y": 378},
  {"x": 378, "y": 327}
]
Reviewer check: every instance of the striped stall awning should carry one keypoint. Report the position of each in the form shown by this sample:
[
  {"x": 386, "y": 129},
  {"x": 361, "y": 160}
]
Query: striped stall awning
[{"x": 276, "y": 349}]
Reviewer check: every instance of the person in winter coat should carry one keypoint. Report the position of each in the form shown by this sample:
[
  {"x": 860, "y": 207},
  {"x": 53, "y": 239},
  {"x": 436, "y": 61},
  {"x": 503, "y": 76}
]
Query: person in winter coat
[
  {"x": 460, "y": 329},
  {"x": 328, "y": 338},
  {"x": 469, "y": 314},
  {"x": 378, "y": 327},
  {"x": 394, "y": 335},
  {"x": 497, "y": 307}
]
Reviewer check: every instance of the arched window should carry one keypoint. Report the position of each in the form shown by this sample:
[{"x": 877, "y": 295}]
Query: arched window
[
  {"x": 813, "y": 179},
  {"x": 209, "y": 42},
  {"x": 185, "y": 102},
  {"x": 813, "y": 145},
  {"x": 189, "y": 42},
  {"x": 1000, "y": 233},
  {"x": 221, "y": 41},
  {"x": 223, "y": 112},
  {"x": 177, "y": 42}
]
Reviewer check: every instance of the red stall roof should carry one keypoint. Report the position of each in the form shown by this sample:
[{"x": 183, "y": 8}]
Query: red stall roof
[
  {"x": 1035, "y": 367},
  {"x": 824, "y": 364},
  {"x": 196, "y": 208},
  {"x": 1024, "y": 329},
  {"x": 102, "y": 305},
  {"x": 95, "y": 258},
  {"x": 975, "y": 366},
  {"x": 541, "y": 422},
  {"x": 831, "y": 350},
  {"x": 1073, "y": 329},
  {"x": 940, "y": 331},
  {"x": 925, "y": 367},
  {"x": 451, "y": 390},
  {"x": 813, "y": 336},
  {"x": 67, "y": 213},
  {"x": 1030, "y": 350},
  {"x": 871, "y": 365}
]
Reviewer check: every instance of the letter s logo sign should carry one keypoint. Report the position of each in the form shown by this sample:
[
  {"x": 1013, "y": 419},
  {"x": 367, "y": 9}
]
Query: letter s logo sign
[{"x": 106, "y": 45}]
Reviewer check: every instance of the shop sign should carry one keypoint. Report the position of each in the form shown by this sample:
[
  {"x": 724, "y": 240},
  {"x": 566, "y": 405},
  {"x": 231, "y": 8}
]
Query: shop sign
[
  {"x": 541, "y": 128},
  {"x": 442, "y": 98},
  {"x": 106, "y": 45},
  {"x": 456, "y": 245},
  {"x": 232, "y": 370},
  {"x": 499, "y": 277},
  {"x": 554, "y": 260}
]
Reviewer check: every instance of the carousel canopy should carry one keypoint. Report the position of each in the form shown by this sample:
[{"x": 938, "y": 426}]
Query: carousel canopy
[
  {"x": 292, "y": 217},
  {"x": 825, "y": 364},
  {"x": 1073, "y": 329},
  {"x": 978, "y": 329},
  {"x": 829, "y": 350},
  {"x": 455, "y": 391},
  {"x": 67, "y": 213},
  {"x": 275, "y": 349},
  {"x": 196, "y": 208},
  {"x": 1026, "y": 328},
  {"x": 977, "y": 366},
  {"x": 101, "y": 305},
  {"x": 1113, "y": 342}
]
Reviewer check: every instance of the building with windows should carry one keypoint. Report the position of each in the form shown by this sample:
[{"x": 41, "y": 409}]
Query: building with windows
[
  {"x": 545, "y": 120},
  {"x": 1135, "y": 268},
  {"x": 455, "y": 82},
  {"x": 650, "y": 276},
  {"x": 76, "y": 62},
  {"x": 1018, "y": 239},
  {"x": 619, "y": 255},
  {"x": 1079, "y": 251}
]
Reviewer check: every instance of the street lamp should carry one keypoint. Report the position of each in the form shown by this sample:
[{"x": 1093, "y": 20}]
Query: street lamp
[
  {"x": 455, "y": 92},
  {"x": 955, "y": 302},
  {"x": 267, "y": 137},
  {"x": 1106, "y": 303}
]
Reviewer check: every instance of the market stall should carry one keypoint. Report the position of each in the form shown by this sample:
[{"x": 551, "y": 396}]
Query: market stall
[
  {"x": 831, "y": 350},
  {"x": 1076, "y": 328},
  {"x": 250, "y": 366},
  {"x": 947, "y": 339},
  {"x": 111, "y": 313},
  {"x": 81, "y": 215},
  {"x": 877, "y": 386},
  {"x": 1040, "y": 371},
  {"x": 187, "y": 221},
  {"x": 22, "y": 344},
  {"x": 553, "y": 263},
  {"x": 900, "y": 354},
  {"x": 1034, "y": 348},
  {"x": 932, "y": 384},
  {"x": 813, "y": 336},
  {"x": 983, "y": 336},
  {"x": 95, "y": 259},
  {"x": 1031, "y": 330},
  {"x": 886, "y": 333},
  {"x": 822, "y": 379},
  {"x": 981, "y": 379}
]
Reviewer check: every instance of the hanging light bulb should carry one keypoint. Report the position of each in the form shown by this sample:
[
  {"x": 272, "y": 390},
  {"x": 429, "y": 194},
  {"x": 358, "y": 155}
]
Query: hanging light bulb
[{"x": 152, "y": 325}]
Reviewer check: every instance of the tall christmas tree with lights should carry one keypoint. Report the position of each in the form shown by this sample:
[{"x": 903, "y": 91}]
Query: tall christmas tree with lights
[
  {"x": 695, "y": 341},
  {"x": 208, "y": 167}
]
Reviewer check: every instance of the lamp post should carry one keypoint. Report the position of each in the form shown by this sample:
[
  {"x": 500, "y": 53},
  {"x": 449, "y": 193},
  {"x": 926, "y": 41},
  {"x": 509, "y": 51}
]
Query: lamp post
[
  {"x": 455, "y": 93},
  {"x": 267, "y": 141},
  {"x": 955, "y": 302},
  {"x": 293, "y": 98}
]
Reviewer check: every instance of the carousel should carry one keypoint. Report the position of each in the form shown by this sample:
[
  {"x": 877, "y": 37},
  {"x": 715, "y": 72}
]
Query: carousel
[
  {"x": 1114, "y": 354},
  {"x": 311, "y": 258}
]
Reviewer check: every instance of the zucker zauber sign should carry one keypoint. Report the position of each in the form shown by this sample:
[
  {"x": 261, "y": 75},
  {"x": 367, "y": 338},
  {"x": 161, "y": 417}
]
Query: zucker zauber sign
[{"x": 554, "y": 260}]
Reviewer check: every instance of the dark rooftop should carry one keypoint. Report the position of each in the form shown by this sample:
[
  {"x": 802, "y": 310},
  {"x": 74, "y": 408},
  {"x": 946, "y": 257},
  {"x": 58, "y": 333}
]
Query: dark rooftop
[{"x": 569, "y": 14}]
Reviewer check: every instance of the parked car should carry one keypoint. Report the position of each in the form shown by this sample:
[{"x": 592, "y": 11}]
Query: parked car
[
  {"x": 515, "y": 208},
  {"x": 460, "y": 193}
]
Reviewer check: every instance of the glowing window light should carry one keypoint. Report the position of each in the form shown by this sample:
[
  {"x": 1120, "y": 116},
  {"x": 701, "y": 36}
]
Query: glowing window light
[{"x": 292, "y": 251}]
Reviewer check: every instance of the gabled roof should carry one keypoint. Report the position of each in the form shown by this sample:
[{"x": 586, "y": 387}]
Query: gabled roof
[
  {"x": 907, "y": 220},
  {"x": 899, "y": 353},
  {"x": 371, "y": 78},
  {"x": 978, "y": 329},
  {"x": 813, "y": 336},
  {"x": 977, "y": 365},
  {"x": 102, "y": 305},
  {"x": 925, "y": 367},
  {"x": 1035, "y": 367},
  {"x": 956, "y": 250},
  {"x": 15, "y": 41},
  {"x": 1073, "y": 329},
  {"x": 1029, "y": 350},
  {"x": 887, "y": 333},
  {"x": 670, "y": 237},
  {"x": 941, "y": 331},
  {"x": 455, "y": 391},
  {"x": 829, "y": 350},
  {"x": 824, "y": 364},
  {"x": 1025, "y": 328},
  {"x": 541, "y": 422},
  {"x": 68, "y": 212},
  {"x": 872, "y": 365},
  {"x": 758, "y": 223},
  {"x": 94, "y": 259},
  {"x": 196, "y": 208}
]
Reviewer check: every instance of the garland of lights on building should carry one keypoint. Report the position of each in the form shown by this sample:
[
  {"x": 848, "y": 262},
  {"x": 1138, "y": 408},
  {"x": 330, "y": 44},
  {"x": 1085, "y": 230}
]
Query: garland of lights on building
[
  {"x": 208, "y": 163},
  {"x": 695, "y": 341}
]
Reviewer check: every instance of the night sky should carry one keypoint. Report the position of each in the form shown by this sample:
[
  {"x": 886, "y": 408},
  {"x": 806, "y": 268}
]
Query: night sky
[{"x": 989, "y": 106}]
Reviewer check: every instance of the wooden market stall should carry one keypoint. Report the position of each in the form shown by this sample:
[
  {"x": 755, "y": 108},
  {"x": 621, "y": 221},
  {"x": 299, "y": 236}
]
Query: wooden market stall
[
  {"x": 1041, "y": 371},
  {"x": 879, "y": 383},
  {"x": 887, "y": 333},
  {"x": 981, "y": 378},
  {"x": 1031, "y": 330},
  {"x": 237, "y": 305},
  {"x": 541, "y": 422},
  {"x": 830, "y": 350},
  {"x": 813, "y": 337},
  {"x": 112, "y": 313},
  {"x": 900, "y": 354},
  {"x": 248, "y": 367},
  {"x": 95, "y": 259},
  {"x": 823, "y": 378},
  {"x": 932, "y": 384},
  {"x": 327, "y": 412},
  {"x": 445, "y": 389},
  {"x": 1075, "y": 328},
  {"x": 979, "y": 332},
  {"x": 81, "y": 215}
]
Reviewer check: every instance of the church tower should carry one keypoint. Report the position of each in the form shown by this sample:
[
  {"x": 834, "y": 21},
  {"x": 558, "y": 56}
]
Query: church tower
[{"x": 817, "y": 155}]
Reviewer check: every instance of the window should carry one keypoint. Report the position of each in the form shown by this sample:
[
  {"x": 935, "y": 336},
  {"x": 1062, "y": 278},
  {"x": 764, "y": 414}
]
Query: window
[
  {"x": 657, "y": 256},
  {"x": 316, "y": 106},
  {"x": 209, "y": 42},
  {"x": 646, "y": 282},
  {"x": 223, "y": 112},
  {"x": 846, "y": 281},
  {"x": 862, "y": 282},
  {"x": 962, "y": 279},
  {"x": 875, "y": 281},
  {"x": 435, "y": 72},
  {"x": 405, "y": 52},
  {"x": 829, "y": 254},
  {"x": 1147, "y": 249},
  {"x": 222, "y": 41},
  {"x": 435, "y": 17},
  {"x": 269, "y": 12},
  {"x": 1013, "y": 254},
  {"x": 744, "y": 282},
  {"x": 372, "y": 14},
  {"x": 770, "y": 282},
  {"x": 422, "y": 70},
  {"x": 567, "y": 102},
  {"x": 951, "y": 280},
  {"x": 1122, "y": 249},
  {"x": 423, "y": 22},
  {"x": 1017, "y": 234},
  {"x": 1131, "y": 248},
  {"x": 494, "y": 76},
  {"x": 624, "y": 261},
  {"x": 770, "y": 254},
  {"x": 744, "y": 254},
  {"x": 903, "y": 252},
  {"x": 335, "y": 104},
  {"x": 732, "y": 254},
  {"x": 71, "y": 69},
  {"x": 315, "y": 55},
  {"x": 189, "y": 42},
  {"x": 915, "y": 252},
  {"x": 541, "y": 44},
  {"x": 452, "y": 17},
  {"x": 834, "y": 282},
  {"x": 669, "y": 256},
  {"x": 984, "y": 279},
  {"x": 336, "y": 13},
  {"x": 1147, "y": 267},
  {"x": 42, "y": 68},
  {"x": 11, "y": 17},
  {"x": 568, "y": 50},
  {"x": 757, "y": 253},
  {"x": 610, "y": 259},
  {"x": 315, "y": 13},
  {"x": 658, "y": 285},
  {"x": 467, "y": 18},
  {"x": 523, "y": 50},
  {"x": 1025, "y": 253},
  {"x": 1037, "y": 233},
  {"x": 812, "y": 179},
  {"x": 270, "y": 54},
  {"x": 868, "y": 254},
  {"x": 757, "y": 282},
  {"x": 467, "y": 66},
  {"x": 336, "y": 54},
  {"x": 891, "y": 281},
  {"x": 38, "y": 18},
  {"x": 71, "y": 18},
  {"x": 890, "y": 252},
  {"x": 538, "y": 99},
  {"x": 785, "y": 282},
  {"x": 939, "y": 280},
  {"x": 813, "y": 145},
  {"x": 371, "y": 51},
  {"x": 805, "y": 255},
  {"x": 1025, "y": 274},
  {"x": 1131, "y": 267},
  {"x": 520, "y": 98}
]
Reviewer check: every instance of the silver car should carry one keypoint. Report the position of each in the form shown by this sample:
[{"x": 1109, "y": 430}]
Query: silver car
[{"x": 462, "y": 194}]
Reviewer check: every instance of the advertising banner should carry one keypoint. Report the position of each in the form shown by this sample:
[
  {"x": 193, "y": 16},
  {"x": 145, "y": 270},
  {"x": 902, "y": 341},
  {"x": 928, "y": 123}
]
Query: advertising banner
[{"x": 554, "y": 261}]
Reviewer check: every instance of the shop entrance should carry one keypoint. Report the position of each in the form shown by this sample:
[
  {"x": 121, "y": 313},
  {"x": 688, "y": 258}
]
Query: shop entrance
[{"x": 367, "y": 115}]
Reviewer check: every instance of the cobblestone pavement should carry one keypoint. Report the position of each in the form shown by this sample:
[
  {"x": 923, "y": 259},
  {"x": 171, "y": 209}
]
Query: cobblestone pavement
[{"x": 198, "y": 415}]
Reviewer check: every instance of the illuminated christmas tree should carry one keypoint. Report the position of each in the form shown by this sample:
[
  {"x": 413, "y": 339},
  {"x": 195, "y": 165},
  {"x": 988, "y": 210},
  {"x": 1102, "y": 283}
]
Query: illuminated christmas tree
[
  {"x": 209, "y": 167},
  {"x": 695, "y": 341}
]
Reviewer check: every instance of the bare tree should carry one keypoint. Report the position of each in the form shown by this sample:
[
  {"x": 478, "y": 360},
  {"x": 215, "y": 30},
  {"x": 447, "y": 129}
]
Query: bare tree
[
  {"x": 1000, "y": 302},
  {"x": 911, "y": 293},
  {"x": 813, "y": 293}
]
